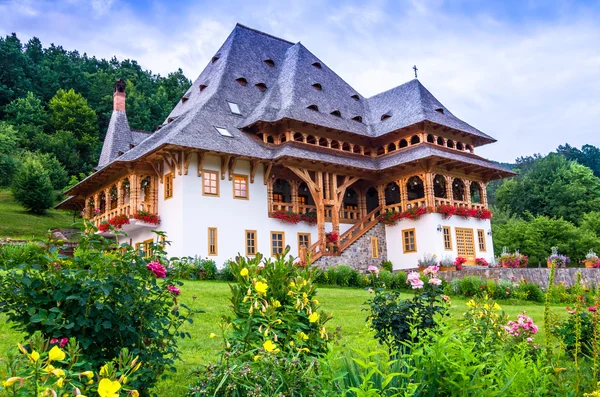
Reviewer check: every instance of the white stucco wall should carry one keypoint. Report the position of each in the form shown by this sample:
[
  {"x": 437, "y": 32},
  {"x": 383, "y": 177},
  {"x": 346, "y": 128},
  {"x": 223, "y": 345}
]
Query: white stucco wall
[
  {"x": 187, "y": 216},
  {"x": 429, "y": 240}
]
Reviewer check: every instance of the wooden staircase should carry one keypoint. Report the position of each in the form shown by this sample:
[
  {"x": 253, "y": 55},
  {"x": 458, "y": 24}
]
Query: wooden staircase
[{"x": 350, "y": 236}]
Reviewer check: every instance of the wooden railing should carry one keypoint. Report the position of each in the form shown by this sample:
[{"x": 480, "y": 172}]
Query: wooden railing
[
  {"x": 359, "y": 229},
  {"x": 287, "y": 207},
  {"x": 422, "y": 202},
  {"x": 441, "y": 201},
  {"x": 346, "y": 215},
  {"x": 125, "y": 209}
]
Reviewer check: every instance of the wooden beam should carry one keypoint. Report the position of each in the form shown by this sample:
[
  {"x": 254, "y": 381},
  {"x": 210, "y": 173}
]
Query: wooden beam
[
  {"x": 253, "y": 168},
  {"x": 201, "y": 158},
  {"x": 158, "y": 170},
  {"x": 267, "y": 174},
  {"x": 224, "y": 164},
  {"x": 232, "y": 162},
  {"x": 186, "y": 162}
]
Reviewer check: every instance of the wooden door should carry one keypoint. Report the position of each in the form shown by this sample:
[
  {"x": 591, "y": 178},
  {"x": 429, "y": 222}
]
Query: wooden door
[{"x": 465, "y": 244}]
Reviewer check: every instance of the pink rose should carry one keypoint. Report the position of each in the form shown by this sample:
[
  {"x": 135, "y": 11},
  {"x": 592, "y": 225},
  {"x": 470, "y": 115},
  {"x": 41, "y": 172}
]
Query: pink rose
[
  {"x": 158, "y": 269},
  {"x": 63, "y": 342},
  {"x": 174, "y": 290},
  {"x": 53, "y": 341}
]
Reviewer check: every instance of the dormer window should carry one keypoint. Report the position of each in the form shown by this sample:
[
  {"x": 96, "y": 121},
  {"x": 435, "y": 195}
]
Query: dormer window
[
  {"x": 317, "y": 86},
  {"x": 355, "y": 97},
  {"x": 313, "y": 107},
  {"x": 336, "y": 113},
  {"x": 440, "y": 110},
  {"x": 235, "y": 109},
  {"x": 357, "y": 118},
  {"x": 317, "y": 65},
  {"x": 185, "y": 98},
  {"x": 224, "y": 132},
  {"x": 170, "y": 119},
  {"x": 214, "y": 59},
  {"x": 202, "y": 87},
  {"x": 385, "y": 116},
  {"x": 241, "y": 81},
  {"x": 261, "y": 86},
  {"x": 270, "y": 62}
]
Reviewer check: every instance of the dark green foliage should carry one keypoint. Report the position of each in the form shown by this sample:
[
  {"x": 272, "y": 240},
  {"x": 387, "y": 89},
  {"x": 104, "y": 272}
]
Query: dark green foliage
[
  {"x": 565, "y": 331},
  {"x": 226, "y": 274},
  {"x": 387, "y": 265},
  {"x": 13, "y": 255},
  {"x": 106, "y": 298},
  {"x": 471, "y": 286},
  {"x": 588, "y": 156},
  {"x": 32, "y": 187},
  {"x": 533, "y": 291},
  {"x": 193, "y": 269},
  {"x": 56, "y": 171}
]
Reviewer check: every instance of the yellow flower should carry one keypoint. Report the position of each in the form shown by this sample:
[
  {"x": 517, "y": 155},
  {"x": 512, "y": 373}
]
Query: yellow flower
[
  {"x": 212, "y": 335},
  {"x": 292, "y": 284},
  {"x": 88, "y": 374},
  {"x": 276, "y": 304},
  {"x": 108, "y": 388},
  {"x": 291, "y": 343},
  {"x": 278, "y": 321},
  {"x": 313, "y": 318},
  {"x": 104, "y": 370},
  {"x": 34, "y": 356},
  {"x": 56, "y": 354},
  {"x": 244, "y": 272},
  {"x": 303, "y": 336},
  {"x": 22, "y": 349},
  {"x": 11, "y": 381},
  {"x": 486, "y": 306},
  {"x": 261, "y": 287},
  {"x": 497, "y": 307},
  {"x": 58, "y": 372},
  {"x": 304, "y": 349},
  {"x": 49, "y": 368},
  {"x": 60, "y": 382},
  {"x": 256, "y": 357},
  {"x": 134, "y": 393},
  {"x": 471, "y": 303},
  {"x": 137, "y": 367},
  {"x": 269, "y": 346},
  {"x": 316, "y": 302}
]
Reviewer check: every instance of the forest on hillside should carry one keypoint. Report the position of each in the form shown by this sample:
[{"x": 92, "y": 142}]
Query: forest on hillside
[{"x": 55, "y": 106}]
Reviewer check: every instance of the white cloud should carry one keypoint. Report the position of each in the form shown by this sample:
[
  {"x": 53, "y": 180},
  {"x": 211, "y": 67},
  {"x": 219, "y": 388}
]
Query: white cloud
[{"x": 533, "y": 85}]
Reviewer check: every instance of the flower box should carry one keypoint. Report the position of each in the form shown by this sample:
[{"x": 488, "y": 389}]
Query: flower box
[{"x": 447, "y": 268}]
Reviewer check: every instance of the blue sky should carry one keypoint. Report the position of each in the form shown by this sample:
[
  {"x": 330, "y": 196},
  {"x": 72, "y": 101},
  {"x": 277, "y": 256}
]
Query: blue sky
[{"x": 525, "y": 72}]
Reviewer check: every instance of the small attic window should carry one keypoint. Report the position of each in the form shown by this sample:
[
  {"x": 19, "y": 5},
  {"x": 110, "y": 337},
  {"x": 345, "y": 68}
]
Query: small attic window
[
  {"x": 336, "y": 113},
  {"x": 317, "y": 86},
  {"x": 385, "y": 116},
  {"x": 440, "y": 110},
  {"x": 170, "y": 119},
  {"x": 241, "y": 81},
  {"x": 235, "y": 109},
  {"x": 317, "y": 65},
  {"x": 202, "y": 87},
  {"x": 184, "y": 99},
  {"x": 224, "y": 132},
  {"x": 313, "y": 107},
  {"x": 357, "y": 118},
  {"x": 355, "y": 97},
  {"x": 214, "y": 59},
  {"x": 261, "y": 86},
  {"x": 270, "y": 62}
]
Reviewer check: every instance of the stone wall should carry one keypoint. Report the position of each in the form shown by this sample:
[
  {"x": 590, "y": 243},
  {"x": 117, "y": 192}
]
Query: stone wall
[
  {"x": 358, "y": 255},
  {"x": 539, "y": 276}
]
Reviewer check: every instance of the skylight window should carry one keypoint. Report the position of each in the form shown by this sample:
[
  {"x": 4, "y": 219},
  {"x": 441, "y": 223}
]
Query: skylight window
[
  {"x": 270, "y": 62},
  {"x": 313, "y": 107},
  {"x": 317, "y": 65},
  {"x": 202, "y": 87},
  {"x": 241, "y": 81},
  {"x": 235, "y": 109},
  {"x": 224, "y": 132},
  {"x": 336, "y": 113},
  {"x": 261, "y": 86},
  {"x": 214, "y": 59},
  {"x": 440, "y": 110},
  {"x": 357, "y": 118},
  {"x": 385, "y": 116},
  {"x": 317, "y": 86},
  {"x": 355, "y": 97}
]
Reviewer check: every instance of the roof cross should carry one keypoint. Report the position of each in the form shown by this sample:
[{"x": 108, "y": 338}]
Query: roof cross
[{"x": 415, "y": 69}]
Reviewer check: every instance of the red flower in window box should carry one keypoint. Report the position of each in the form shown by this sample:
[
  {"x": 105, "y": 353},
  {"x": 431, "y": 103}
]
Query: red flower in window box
[
  {"x": 147, "y": 217},
  {"x": 446, "y": 210},
  {"x": 415, "y": 213},
  {"x": 332, "y": 237},
  {"x": 484, "y": 214},
  {"x": 118, "y": 221},
  {"x": 104, "y": 227},
  {"x": 287, "y": 217}
]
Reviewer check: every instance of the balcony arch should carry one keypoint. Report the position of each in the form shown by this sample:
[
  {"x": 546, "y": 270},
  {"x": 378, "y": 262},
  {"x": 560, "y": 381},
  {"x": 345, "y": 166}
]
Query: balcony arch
[
  {"x": 415, "y": 139},
  {"x": 145, "y": 185},
  {"x": 323, "y": 142},
  {"x": 430, "y": 138},
  {"x": 460, "y": 146},
  {"x": 113, "y": 197},
  {"x": 125, "y": 191},
  {"x": 469, "y": 148},
  {"x": 391, "y": 147},
  {"x": 450, "y": 143},
  {"x": 298, "y": 137},
  {"x": 392, "y": 194},
  {"x": 356, "y": 149},
  {"x": 458, "y": 190},
  {"x": 403, "y": 143},
  {"x": 311, "y": 139},
  {"x": 415, "y": 188},
  {"x": 304, "y": 196},
  {"x": 282, "y": 191},
  {"x": 282, "y": 138},
  {"x": 346, "y": 147},
  {"x": 380, "y": 150},
  {"x": 102, "y": 202},
  {"x": 475, "y": 190},
  {"x": 335, "y": 145},
  {"x": 440, "y": 141},
  {"x": 372, "y": 199},
  {"x": 350, "y": 200},
  {"x": 440, "y": 189},
  {"x": 270, "y": 139}
]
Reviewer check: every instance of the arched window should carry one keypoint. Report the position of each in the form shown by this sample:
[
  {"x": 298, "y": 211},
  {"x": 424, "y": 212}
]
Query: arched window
[
  {"x": 415, "y": 188},
  {"x": 282, "y": 192},
  {"x": 311, "y": 139},
  {"x": 475, "y": 192},
  {"x": 114, "y": 197},
  {"x": 282, "y": 138},
  {"x": 350, "y": 200},
  {"x": 356, "y": 149},
  {"x": 298, "y": 137},
  {"x": 450, "y": 143},
  {"x": 469, "y": 148},
  {"x": 439, "y": 187},
  {"x": 335, "y": 145},
  {"x": 440, "y": 141},
  {"x": 430, "y": 138},
  {"x": 403, "y": 143},
  {"x": 380, "y": 150},
  {"x": 372, "y": 199},
  {"x": 313, "y": 107},
  {"x": 241, "y": 81},
  {"x": 392, "y": 193},
  {"x": 415, "y": 139},
  {"x": 304, "y": 196},
  {"x": 270, "y": 139},
  {"x": 102, "y": 203},
  {"x": 323, "y": 142},
  {"x": 346, "y": 147},
  {"x": 460, "y": 146},
  {"x": 145, "y": 189},
  {"x": 125, "y": 191},
  {"x": 367, "y": 151},
  {"x": 336, "y": 113},
  {"x": 91, "y": 208},
  {"x": 458, "y": 190},
  {"x": 391, "y": 147}
]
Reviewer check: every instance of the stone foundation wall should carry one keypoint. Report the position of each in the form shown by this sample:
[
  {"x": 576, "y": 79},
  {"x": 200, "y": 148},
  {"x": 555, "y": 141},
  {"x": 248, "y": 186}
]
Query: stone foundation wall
[
  {"x": 539, "y": 276},
  {"x": 358, "y": 255}
]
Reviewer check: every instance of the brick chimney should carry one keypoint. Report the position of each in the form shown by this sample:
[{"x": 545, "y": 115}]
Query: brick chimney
[{"x": 119, "y": 96}]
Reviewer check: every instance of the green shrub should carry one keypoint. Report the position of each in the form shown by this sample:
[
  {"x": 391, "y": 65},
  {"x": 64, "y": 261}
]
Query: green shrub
[
  {"x": 471, "y": 286},
  {"x": 107, "y": 297},
  {"x": 387, "y": 265},
  {"x": 532, "y": 291},
  {"x": 345, "y": 275},
  {"x": 32, "y": 187},
  {"x": 207, "y": 269},
  {"x": 386, "y": 278},
  {"x": 399, "y": 280},
  {"x": 12, "y": 255},
  {"x": 332, "y": 276},
  {"x": 225, "y": 273}
]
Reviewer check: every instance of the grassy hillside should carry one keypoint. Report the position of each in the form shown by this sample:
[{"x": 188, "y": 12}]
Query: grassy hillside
[{"x": 17, "y": 223}]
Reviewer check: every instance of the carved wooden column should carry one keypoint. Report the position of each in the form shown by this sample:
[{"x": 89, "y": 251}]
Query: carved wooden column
[
  {"x": 484, "y": 199},
  {"x": 134, "y": 191},
  {"x": 381, "y": 195},
  {"x": 467, "y": 191},
  {"x": 428, "y": 185},
  {"x": 294, "y": 194},
  {"x": 403, "y": 192},
  {"x": 269, "y": 182},
  {"x": 119, "y": 185},
  {"x": 362, "y": 203},
  {"x": 153, "y": 193},
  {"x": 449, "y": 188},
  {"x": 337, "y": 203}
]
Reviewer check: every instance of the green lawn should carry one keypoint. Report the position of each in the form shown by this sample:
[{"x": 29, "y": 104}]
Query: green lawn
[
  {"x": 17, "y": 223},
  {"x": 213, "y": 297}
]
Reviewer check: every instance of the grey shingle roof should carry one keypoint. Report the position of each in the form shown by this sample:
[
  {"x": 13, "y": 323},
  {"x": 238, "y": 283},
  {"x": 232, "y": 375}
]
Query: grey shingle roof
[{"x": 289, "y": 92}]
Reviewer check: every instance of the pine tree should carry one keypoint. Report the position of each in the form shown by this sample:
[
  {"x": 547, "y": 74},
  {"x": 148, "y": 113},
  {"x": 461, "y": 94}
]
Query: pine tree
[{"x": 32, "y": 187}]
